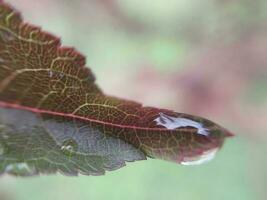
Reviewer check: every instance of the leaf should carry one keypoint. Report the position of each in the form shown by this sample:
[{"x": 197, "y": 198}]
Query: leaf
[{"x": 53, "y": 117}]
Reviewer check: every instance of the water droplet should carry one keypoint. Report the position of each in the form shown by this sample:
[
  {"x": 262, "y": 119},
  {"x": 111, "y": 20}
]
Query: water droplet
[
  {"x": 50, "y": 73},
  {"x": 205, "y": 157},
  {"x": 171, "y": 123},
  {"x": 69, "y": 146},
  {"x": 21, "y": 169}
]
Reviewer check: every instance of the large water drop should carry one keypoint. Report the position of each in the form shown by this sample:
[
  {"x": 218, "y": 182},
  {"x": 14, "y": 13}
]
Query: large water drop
[{"x": 205, "y": 157}]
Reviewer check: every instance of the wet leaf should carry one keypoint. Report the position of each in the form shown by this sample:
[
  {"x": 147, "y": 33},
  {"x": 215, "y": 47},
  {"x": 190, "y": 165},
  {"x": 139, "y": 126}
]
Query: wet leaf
[{"x": 54, "y": 118}]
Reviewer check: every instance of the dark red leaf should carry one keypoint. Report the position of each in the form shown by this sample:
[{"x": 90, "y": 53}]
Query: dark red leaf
[{"x": 53, "y": 117}]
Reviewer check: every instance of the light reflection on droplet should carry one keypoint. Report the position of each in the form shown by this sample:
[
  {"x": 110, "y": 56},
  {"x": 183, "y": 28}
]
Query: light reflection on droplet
[
  {"x": 50, "y": 73},
  {"x": 171, "y": 123},
  {"x": 205, "y": 157},
  {"x": 67, "y": 147}
]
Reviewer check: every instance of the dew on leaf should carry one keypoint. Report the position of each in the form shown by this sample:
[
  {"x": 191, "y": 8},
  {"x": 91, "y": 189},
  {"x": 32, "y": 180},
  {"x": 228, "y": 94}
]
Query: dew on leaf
[{"x": 68, "y": 124}]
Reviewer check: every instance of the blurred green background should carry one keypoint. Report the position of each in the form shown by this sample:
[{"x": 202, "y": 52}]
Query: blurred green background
[{"x": 206, "y": 58}]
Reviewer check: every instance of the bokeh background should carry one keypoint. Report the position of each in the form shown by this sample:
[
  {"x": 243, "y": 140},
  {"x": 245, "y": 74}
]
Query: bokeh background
[{"x": 207, "y": 58}]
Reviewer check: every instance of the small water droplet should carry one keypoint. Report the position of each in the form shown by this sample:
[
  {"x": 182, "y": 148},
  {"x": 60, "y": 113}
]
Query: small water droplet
[
  {"x": 21, "y": 169},
  {"x": 50, "y": 73},
  {"x": 205, "y": 157},
  {"x": 69, "y": 146}
]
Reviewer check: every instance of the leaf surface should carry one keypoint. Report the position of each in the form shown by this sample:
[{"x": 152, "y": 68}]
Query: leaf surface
[{"x": 53, "y": 117}]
